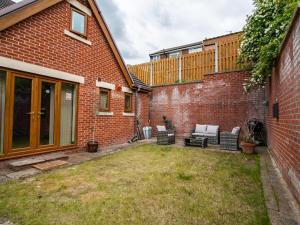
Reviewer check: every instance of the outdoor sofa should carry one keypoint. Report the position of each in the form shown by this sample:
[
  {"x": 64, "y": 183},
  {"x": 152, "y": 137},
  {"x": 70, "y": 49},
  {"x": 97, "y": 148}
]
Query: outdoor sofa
[
  {"x": 164, "y": 136},
  {"x": 209, "y": 131}
]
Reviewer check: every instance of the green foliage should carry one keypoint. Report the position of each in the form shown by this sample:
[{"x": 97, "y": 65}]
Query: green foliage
[{"x": 263, "y": 34}]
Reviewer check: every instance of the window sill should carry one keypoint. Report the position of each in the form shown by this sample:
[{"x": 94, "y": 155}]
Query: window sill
[
  {"x": 77, "y": 37},
  {"x": 105, "y": 113},
  {"x": 128, "y": 114}
]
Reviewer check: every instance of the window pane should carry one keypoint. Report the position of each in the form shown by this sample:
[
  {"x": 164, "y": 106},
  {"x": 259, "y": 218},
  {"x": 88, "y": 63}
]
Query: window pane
[
  {"x": 127, "y": 102},
  {"x": 68, "y": 114},
  {"x": 47, "y": 113},
  {"x": 22, "y": 113},
  {"x": 104, "y": 98},
  {"x": 2, "y": 107},
  {"x": 78, "y": 22}
]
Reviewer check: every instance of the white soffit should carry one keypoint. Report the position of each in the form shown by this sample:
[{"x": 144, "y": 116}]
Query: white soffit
[{"x": 39, "y": 70}]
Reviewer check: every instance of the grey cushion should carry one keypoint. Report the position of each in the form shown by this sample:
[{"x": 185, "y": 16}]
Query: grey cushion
[
  {"x": 212, "y": 129},
  {"x": 161, "y": 128},
  {"x": 236, "y": 130},
  {"x": 210, "y": 135},
  {"x": 198, "y": 134},
  {"x": 200, "y": 128}
]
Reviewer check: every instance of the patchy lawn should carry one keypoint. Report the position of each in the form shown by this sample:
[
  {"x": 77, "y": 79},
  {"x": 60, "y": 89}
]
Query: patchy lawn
[{"x": 144, "y": 185}]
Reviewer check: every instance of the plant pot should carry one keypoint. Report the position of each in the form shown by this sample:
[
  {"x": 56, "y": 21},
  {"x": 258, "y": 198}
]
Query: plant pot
[
  {"x": 248, "y": 148},
  {"x": 92, "y": 146}
]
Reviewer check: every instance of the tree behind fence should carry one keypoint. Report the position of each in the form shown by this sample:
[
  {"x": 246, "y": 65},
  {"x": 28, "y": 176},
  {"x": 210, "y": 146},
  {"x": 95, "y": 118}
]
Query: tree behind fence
[{"x": 190, "y": 67}]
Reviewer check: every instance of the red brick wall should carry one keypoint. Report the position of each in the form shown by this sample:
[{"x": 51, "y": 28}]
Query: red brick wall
[
  {"x": 40, "y": 40},
  {"x": 284, "y": 134},
  {"x": 219, "y": 100}
]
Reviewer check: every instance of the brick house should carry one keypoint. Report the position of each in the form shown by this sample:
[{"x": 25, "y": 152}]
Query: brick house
[
  {"x": 62, "y": 79},
  {"x": 200, "y": 46}
]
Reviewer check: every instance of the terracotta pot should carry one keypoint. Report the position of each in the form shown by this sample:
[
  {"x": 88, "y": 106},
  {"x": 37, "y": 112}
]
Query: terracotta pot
[
  {"x": 248, "y": 148},
  {"x": 92, "y": 146}
]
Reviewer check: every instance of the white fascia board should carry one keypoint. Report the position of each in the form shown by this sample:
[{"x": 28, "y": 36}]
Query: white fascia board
[{"x": 39, "y": 70}]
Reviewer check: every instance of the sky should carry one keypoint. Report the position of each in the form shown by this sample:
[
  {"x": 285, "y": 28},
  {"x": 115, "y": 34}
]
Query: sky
[{"x": 140, "y": 27}]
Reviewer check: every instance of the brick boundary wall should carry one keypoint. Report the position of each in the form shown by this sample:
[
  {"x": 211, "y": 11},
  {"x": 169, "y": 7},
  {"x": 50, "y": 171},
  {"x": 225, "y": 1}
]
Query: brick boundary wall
[
  {"x": 219, "y": 99},
  {"x": 284, "y": 85}
]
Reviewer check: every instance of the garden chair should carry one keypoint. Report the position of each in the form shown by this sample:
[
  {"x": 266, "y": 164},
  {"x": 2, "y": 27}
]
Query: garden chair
[
  {"x": 164, "y": 136},
  {"x": 230, "y": 140}
]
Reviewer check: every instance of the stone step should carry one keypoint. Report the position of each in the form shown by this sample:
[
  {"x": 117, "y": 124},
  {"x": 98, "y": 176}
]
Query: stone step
[
  {"x": 27, "y": 162},
  {"x": 45, "y": 166}
]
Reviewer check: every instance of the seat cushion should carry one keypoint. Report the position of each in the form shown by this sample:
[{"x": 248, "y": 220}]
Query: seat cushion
[
  {"x": 171, "y": 135},
  {"x": 210, "y": 135},
  {"x": 200, "y": 128},
  {"x": 161, "y": 128},
  {"x": 198, "y": 134},
  {"x": 236, "y": 130},
  {"x": 212, "y": 129}
]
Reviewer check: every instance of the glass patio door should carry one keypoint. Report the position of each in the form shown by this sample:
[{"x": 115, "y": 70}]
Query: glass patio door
[
  {"x": 46, "y": 113},
  {"x": 23, "y": 112},
  {"x": 33, "y": 113}
]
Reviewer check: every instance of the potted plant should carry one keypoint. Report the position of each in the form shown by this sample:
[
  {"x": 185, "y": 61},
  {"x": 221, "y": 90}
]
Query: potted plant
[
  {"x": 92, "y": 146},
  {"x": 248, "y": 142}
]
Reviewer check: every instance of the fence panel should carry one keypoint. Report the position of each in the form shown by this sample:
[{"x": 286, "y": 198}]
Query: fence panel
[
  {"x": 165, "y": 71},
  {"x": 228, "y": 54},
  {"x": 196, "y": 65},
  {"x": 142, "y": 71},
  {"x": 193, "y": 66}
]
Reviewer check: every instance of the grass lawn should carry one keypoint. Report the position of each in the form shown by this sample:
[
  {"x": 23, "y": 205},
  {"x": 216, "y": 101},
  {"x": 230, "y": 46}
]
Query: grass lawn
[{"x": 143, "y": 185}]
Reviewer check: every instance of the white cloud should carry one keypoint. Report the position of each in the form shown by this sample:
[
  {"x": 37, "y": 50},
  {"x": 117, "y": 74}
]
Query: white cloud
[{"x": 151, "y": 25}]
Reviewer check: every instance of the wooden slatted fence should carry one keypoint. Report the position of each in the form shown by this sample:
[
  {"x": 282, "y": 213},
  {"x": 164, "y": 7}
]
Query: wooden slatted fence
[{"x": 190, "y": 67}]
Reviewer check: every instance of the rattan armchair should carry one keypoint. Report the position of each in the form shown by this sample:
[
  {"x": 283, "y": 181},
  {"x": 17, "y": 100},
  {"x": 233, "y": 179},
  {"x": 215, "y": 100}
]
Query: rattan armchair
[
  {"x": 164, "y": 136},
  {"x": 230, "y": 140}
]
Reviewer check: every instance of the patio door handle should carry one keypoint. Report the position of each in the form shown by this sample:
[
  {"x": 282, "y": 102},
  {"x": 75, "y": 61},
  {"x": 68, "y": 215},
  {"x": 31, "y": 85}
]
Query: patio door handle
[
  {"x": 40, "y": 113},
  {"x": 30, "y": 113}
]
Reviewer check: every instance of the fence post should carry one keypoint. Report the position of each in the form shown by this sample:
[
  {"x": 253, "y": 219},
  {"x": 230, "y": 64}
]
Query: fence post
[
  {"x": 151, "y": 74},
  {"x": 216, "y": 58},
  {"x": 180, "y": 69}
]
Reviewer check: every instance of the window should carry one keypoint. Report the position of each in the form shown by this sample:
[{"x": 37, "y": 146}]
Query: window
[
  {"x": 68, "y": 114},
  {"x": 174, "y": 55},
  {"x": 78, "y": 22},
  {"x": 128, "y": 102},
  {"x": 194, "y": 50},
  {"x": 104, "y": 100},
  {"x": 155, "y": 57}
]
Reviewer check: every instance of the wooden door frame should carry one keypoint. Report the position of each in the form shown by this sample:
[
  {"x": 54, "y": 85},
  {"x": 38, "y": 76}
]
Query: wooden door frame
[
  {"x": 8, "y": 152},
  {"x": 56, "y": 112},
  {"x": 10, "y": 110}
]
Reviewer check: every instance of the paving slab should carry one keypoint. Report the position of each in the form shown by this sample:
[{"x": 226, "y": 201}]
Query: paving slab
[
  {"x": 23, "y": 174},
  {"x": 20, "y": 164},
  {"x": 50, "y": 165},
  {"x": 282, "y": 206}
]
